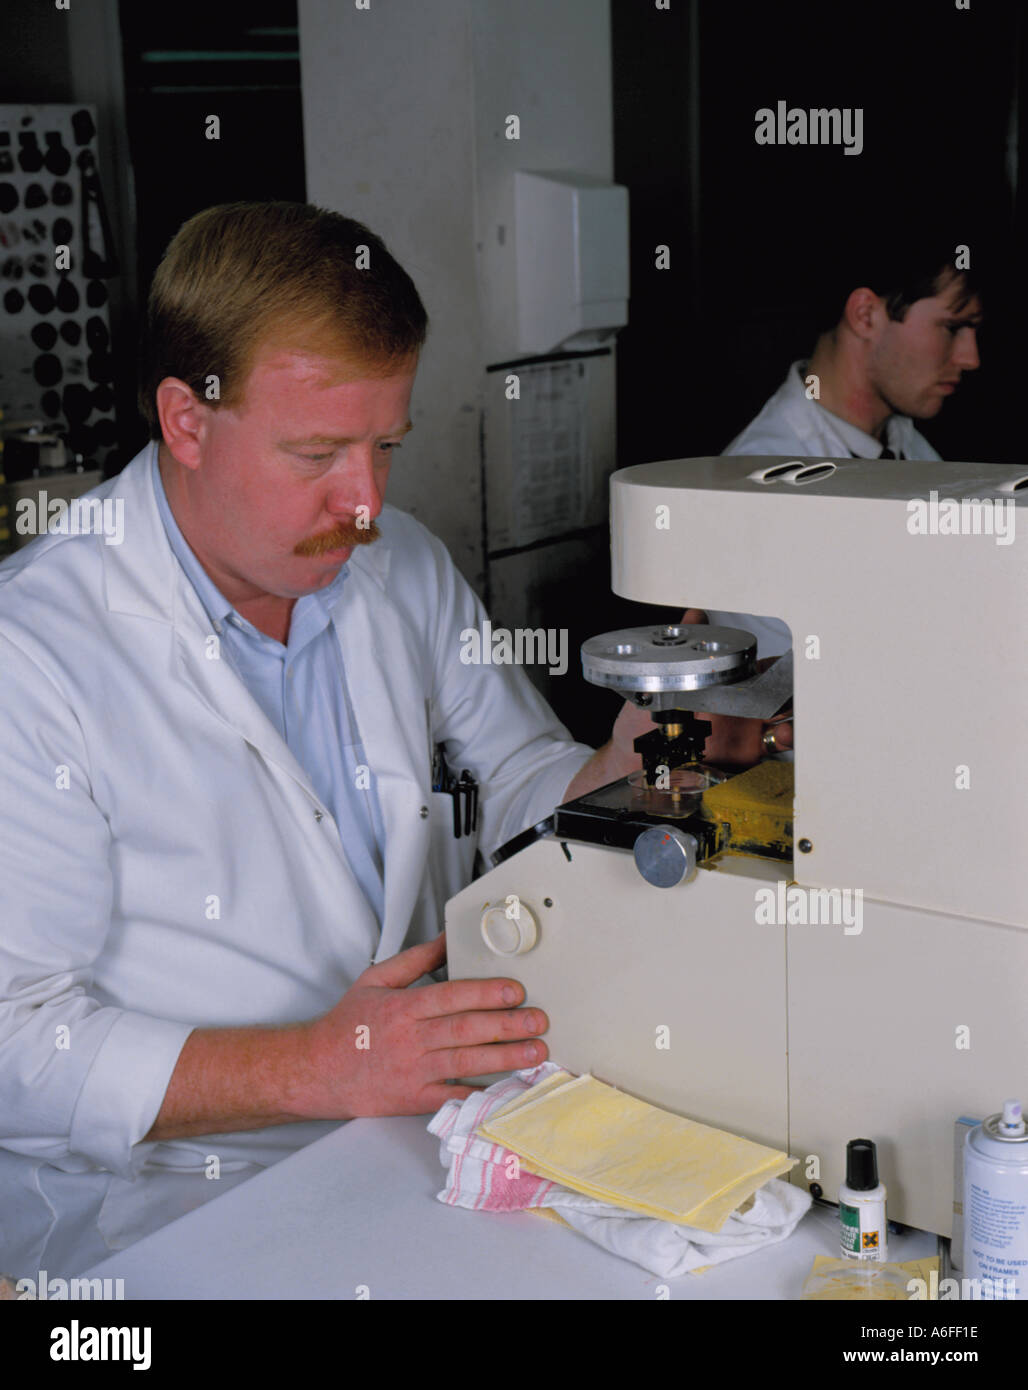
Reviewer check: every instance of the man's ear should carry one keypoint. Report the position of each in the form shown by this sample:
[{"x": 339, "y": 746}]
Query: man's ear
[
  {"x": 183, "y": 420},
  {"x": 863, "y": 312}
]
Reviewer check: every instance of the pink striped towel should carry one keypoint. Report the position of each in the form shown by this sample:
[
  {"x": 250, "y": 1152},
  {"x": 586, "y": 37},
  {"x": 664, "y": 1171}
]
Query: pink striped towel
[{"x": 483, "y": 1176}]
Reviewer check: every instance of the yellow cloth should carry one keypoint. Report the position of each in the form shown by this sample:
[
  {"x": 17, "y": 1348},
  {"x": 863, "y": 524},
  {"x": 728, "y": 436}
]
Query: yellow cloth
[
  {"x": 548, "y": 1083},
  {"x": 581, "y": 1133}
]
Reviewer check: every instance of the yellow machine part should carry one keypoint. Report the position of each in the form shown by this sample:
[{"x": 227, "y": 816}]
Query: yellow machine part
[{"x": 755, "y": 809}]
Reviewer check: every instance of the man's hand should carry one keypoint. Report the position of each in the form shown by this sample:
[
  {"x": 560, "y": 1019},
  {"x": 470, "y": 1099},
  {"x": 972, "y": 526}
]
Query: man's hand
[
  {"x": 734, "y": 742},
  {"x": 738, "y": 743},
  {"x": 387, "y": 1049}
]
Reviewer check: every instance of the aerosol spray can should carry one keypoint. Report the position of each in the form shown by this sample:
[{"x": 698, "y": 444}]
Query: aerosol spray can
[
  {"x": 864, "y": 1232},
  {"x": 996, "y": 1204}
]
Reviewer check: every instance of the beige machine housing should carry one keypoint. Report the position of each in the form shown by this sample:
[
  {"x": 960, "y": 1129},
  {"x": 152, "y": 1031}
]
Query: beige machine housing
[{"x": 911, "y": 769}]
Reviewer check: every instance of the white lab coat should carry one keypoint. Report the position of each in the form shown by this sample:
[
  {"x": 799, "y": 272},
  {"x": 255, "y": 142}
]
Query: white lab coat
[
  {"x": 792, "y": 425},
  {"x": 165, "y": 863}
]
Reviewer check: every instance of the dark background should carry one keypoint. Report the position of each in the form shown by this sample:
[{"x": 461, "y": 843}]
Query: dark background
[
  {"x": 748, "y": 225},
  {"x": 710, "y": 340},
  {"x": 712, "y": 337}
]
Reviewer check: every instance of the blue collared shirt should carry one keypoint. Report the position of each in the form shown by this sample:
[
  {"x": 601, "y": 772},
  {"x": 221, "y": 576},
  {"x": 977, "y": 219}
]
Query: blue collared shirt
[{"x": 302, "y": 689}]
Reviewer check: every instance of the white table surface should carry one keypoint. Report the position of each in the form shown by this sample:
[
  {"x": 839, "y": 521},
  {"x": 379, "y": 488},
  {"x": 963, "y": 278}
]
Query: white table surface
[{"x": 357, "y": 1210}]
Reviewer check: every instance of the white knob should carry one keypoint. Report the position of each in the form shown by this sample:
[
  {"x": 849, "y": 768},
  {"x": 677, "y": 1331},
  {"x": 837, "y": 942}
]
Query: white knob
[{"x": 510, "y": 930}]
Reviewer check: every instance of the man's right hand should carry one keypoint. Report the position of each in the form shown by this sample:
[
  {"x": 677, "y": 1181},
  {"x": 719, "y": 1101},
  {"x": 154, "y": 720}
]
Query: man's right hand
[
  {"x": 735, "y": 742},
  {"x": 388, "y": 1049}
]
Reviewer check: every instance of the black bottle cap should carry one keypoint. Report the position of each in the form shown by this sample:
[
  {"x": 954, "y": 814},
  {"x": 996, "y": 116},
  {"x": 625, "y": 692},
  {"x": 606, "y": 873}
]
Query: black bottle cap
[{"x": 861, "y": 1165}]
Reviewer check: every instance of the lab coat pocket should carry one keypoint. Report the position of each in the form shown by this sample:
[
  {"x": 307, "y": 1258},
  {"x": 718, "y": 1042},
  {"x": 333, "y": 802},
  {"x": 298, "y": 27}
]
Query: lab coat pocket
[{"x": 451, "y": 862}]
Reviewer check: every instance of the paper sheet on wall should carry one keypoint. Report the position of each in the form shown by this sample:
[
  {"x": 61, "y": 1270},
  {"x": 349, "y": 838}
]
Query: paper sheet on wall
[{"x": 549, "y": 451}]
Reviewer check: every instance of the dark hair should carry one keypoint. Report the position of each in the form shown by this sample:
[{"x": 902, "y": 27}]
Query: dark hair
[
  {"x": 902, "y": 261},
  {"x": 237, "y": 275}
]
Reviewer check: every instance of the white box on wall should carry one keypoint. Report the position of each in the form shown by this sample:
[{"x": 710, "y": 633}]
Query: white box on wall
[
  {"x": 433, "y": 172},
  {"x": 571, "y": 249}
]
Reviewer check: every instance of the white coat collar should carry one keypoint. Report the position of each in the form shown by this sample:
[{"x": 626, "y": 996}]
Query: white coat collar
[
  {"x": 900, "y": 434},
  {"x": 142, "y": 576},
  {"x": 143, "y": 579}
]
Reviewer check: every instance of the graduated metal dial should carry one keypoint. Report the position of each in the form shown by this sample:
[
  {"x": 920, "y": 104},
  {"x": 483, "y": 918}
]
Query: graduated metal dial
[{"x": 676, "y": 657}]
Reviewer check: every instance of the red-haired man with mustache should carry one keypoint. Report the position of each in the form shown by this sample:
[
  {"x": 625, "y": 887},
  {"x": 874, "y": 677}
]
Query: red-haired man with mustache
[{"x": 228, "y": 853}]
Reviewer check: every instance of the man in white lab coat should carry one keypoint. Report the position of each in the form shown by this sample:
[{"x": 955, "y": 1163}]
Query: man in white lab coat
[
  {"x": 219, "y": 711},
  {"x": 892, "y": 355},
  {"x": 887, "y": 355}
]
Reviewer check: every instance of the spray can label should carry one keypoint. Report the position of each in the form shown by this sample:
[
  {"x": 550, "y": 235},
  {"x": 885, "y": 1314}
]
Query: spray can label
[
  {"x": 998, "y": 1216},
  {"x": 996, "y": 1211}
]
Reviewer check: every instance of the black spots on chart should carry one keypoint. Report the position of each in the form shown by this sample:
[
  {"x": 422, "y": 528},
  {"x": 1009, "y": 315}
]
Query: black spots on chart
[
  {"x": 44, "y": 335},
  {"x": 67, "y": 297},
  {"x": 57, "y": 363},
  {"x": 78, "y": 403},
  {"x": 41, "y": 297},
  {"x": 82, "y": 127},
  {"x": 47, "y": 369}
]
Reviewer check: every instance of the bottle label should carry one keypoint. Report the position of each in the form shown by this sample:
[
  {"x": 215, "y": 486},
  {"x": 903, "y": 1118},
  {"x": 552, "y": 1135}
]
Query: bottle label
[
  {"x": 858, "y": 1236},
  {"x": 871, "y": 1244},
  {"x": 849, "y": 1229}
]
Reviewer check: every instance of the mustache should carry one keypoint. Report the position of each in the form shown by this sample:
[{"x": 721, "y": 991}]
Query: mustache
[{"x": 346, "y": 533}]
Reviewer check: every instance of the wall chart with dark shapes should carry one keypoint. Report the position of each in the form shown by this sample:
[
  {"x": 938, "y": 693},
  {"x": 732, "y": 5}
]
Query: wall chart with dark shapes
[{"x": 55, "y": 258}]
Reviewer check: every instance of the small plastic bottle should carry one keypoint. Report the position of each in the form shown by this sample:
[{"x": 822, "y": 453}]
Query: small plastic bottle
[{"x": 864, "y": 1231}]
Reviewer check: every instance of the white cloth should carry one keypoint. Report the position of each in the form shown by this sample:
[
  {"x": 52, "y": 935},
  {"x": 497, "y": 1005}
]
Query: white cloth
[
  {"x": 663, "y": 1248},
  {"x": 166, "y": 864},
  {"x": 792, "y": 426},
  {"x": 480, "y": 1178}
]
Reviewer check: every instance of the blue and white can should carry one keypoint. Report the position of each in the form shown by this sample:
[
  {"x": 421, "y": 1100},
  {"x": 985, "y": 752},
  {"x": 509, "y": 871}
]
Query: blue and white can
[{"x": 996, "y": 1205}]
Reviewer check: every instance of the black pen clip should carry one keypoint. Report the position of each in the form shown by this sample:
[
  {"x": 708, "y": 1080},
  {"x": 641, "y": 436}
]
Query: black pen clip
[
  {"x": 465, "y": 798},
  {"x": 466, "y": 789}
]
